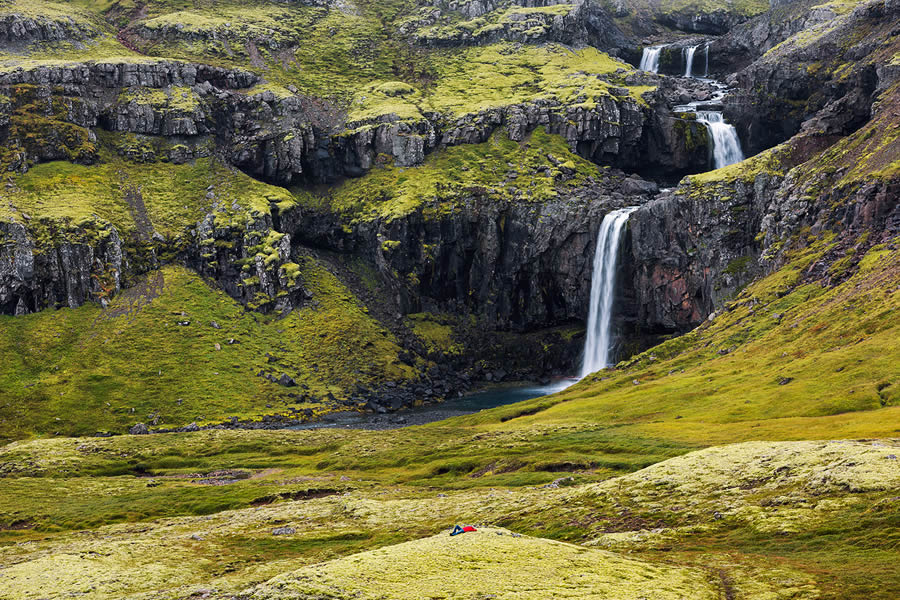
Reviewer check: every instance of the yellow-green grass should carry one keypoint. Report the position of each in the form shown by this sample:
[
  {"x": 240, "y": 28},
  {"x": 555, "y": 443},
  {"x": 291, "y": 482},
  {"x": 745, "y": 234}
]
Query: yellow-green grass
[
  {"x": 92, "y": 369},
  {"x": 503, "y": 74},
  {"x": 321, "y": 51},
  {"x": 487, "y": 562},
  {"x": 175, "y": 196},
  {"x": 454, "y": 174},
  {"x": 844, "y": 386},
  {"x": 759, "y": 518},
  {"x": 499, "y": 75}
]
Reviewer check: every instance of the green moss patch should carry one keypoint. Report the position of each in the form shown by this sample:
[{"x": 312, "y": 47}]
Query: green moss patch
[
  {"x": 470, "y": 564},
  {"x": 154, "y": 356}
]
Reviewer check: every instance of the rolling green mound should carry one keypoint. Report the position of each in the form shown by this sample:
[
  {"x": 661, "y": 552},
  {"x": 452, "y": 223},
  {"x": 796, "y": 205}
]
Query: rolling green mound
[
  {"x": 471, "y": 565},
  {"x": 172, "y": 350},
  {"x": 807, "y": 519}
]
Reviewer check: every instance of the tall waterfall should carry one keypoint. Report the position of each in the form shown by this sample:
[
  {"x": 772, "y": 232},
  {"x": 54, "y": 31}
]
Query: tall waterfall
[
  {"x": 598, "y": 344},
  {"x": 688, "y": 55},
  {"x": 726, "y": 145},
  {"x": 706, "y": 61},
  {"x": 650, "y": 59}
]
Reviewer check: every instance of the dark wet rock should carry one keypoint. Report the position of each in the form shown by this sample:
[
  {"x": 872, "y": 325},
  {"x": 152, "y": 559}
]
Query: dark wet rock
[{"x": 785, "y": 87}]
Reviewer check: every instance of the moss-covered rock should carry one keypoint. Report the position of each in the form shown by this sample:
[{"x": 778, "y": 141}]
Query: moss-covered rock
[{"x": 460, "y": 566}]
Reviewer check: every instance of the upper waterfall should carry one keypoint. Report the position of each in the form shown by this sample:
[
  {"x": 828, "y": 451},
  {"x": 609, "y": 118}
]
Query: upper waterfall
[
  {"x": 598, "y": 343},
  {"x": 725, "y": 143},
  {"x": 650, "y": 59},
  {"x": 688, "y": 55}
]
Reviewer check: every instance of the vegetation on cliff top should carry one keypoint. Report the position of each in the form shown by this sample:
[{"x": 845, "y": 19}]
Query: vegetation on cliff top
[
  {"x": 477, "y": 79},
  {"x": 540, "y": 169}
]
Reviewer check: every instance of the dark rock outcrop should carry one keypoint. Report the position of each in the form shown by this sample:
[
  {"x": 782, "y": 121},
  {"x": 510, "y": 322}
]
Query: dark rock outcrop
[
  {"x": 58, "y": 263},
  {"x": 514, "y": 264},
  {"x": 835, "y": 60},
  {"x": 17, "y": 30},
  {"x": 695, "y": 247}
]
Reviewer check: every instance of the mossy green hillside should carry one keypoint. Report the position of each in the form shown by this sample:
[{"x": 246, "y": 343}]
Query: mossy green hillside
[
  {"x": 538, "y": 170},
  {"x": 776, "y": 333},
  {"x": 467, "y": 565},
  {"x": 63, "y": 13},
  {"x": 79, "y": 33},
  {"x": 154, "y": 356},
  {"x": 803, "y": 361},
  {"x": 815, "y": 517},
  {"x": 482, "y": 78},
  {"x": 322, "y": 51},
  {"x": 173, "y": 197},
  {"x": 787, "y": 361}
]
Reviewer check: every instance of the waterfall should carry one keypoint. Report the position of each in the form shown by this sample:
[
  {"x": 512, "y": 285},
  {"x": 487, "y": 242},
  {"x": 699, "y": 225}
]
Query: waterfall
[
  {"x": 725, "y": 142},
  {"x": 706, "y": 61},
  {"x": 598, "y": 344},
  {"x": 650, "y": 59},
  {"x": 688, "y": 56}
]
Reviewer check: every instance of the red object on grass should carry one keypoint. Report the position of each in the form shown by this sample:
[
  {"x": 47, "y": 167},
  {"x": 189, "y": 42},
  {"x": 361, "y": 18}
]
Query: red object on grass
[{"x": 469, "y": 528}]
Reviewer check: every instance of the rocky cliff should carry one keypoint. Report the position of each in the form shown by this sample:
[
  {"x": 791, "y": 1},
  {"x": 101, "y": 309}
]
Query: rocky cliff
[{"x": 445, "y": 167}]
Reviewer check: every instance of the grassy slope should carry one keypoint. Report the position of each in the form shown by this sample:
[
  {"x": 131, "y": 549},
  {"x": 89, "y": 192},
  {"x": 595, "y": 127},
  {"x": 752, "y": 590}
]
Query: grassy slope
[
  {"x": 175, "y": 196},
  {"x": 801, "y": 520},
  {"x": 86, "y": 370},
  {"x": 353, "y": 56},
  {"x": 789, "y": 359},
  {"x": 797, "y": 537},
  {"x": 844, "y": 386}
]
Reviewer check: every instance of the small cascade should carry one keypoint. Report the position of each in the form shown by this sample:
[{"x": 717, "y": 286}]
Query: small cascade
[
  {"x": 598, "y": 344},
  {"x": 688, "y": 55},
  {"x": 706, "y": 61},
  {"x": 726, "y": 145},
  {"x": 650, "y": 59}
]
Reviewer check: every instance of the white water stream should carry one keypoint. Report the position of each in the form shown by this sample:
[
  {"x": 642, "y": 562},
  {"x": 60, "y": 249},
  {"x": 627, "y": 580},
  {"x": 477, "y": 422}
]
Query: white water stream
[
  {"x": 726, "y": 145},
  {"x": 650, "y": 59},
  {"x": 599, "y": 341},
  {"x": 688, "y": 55}
]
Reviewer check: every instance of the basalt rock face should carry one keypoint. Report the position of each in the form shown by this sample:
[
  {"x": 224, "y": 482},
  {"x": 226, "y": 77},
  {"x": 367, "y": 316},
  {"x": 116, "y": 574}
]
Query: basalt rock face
[
  {"x": 56, "y": 264},
  {"x": 748, "y": 41},
  {"x": 248, "y": 259},
  {"x": 690, "y": 251},
  {"x": 279, "y": 138},
  {"x": 18, "y": 30},
  {"x": 694, "y": 247},
  {"x": 191, "y": 105},
  {"x": 835, "y": 60},
  {"x": 195, "y": 108},
  {"x": 514, "y": 265},
  {"x": 715, "y": 23}
]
